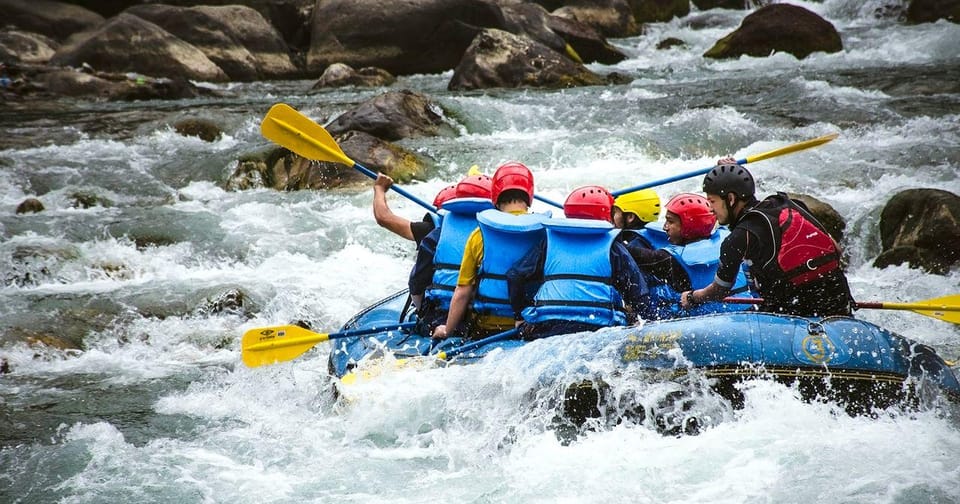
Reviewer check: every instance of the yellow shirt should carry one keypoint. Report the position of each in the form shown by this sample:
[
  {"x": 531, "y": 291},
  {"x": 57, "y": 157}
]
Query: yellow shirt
[
  {"x": 469, "y": 269},
  {"x": 473, "y": 255}
]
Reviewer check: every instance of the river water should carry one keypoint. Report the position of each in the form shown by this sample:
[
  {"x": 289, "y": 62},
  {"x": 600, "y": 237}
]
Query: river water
[{"x": 157, "y": 407}]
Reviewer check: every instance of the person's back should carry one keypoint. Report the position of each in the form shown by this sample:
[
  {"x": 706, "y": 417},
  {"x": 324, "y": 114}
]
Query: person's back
[
  {"x": 797, "y": 267},
  {"x": 433, "y": 278},
  {"x": 584, "y": 278},
  {"x": 792, "y": 259},
  {"x": 512, "y": 193}
]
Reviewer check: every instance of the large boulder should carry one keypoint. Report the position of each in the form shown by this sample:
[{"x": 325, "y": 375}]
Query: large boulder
[
  {"x": 26, "y": 47},
  {"x": 656, "y": 11},
  {"x": 56, "y": 20},
  {"x": 921, "y": 227},
  {"x": 611, "y": 18},
  {"x": 112, "y": 86},
  {"x": 587, "y": 43},
  {"x": 280, "y": 169},
  {"x": 928, "y": 11},
  {"x": 393, "y": 116},
  {"x": 290, "y": 17},
  {"x": 500, "y": 59},
  {"x": 778, "y": 28},
  {"x": 534, "y": 21},
  {"x": 127, "y": 43},
  {"x": 338, "y": 75},
  {"x": 237, "y": 38},
  {"x": 410, "y": 37}
]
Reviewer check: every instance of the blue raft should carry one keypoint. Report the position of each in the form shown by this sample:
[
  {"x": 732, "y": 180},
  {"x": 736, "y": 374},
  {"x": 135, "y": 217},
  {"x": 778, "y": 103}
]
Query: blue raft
[{"x": 851, "y": 361}]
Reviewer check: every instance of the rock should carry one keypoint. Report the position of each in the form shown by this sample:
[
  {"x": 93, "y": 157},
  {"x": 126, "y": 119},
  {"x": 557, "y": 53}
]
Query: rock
[
  {"x": 32, "y": 264},
  {"x": 669, "y": 42},
  {"x": 400, "y": 164},
  {"x": 393, "y": 116},
  {"x": 928, "y": 11},
  {"x": 410, "y": 37},
  {"x": 533, "y": 21},
  {"x": 25, "y": 47},
  {"x": 500, "y": 59},
  {"x": 611, "y": 18},
  {"x": 146, "y": 88},
  {"x": 234, "y": 37},
  {"x": 921, "y": 227},
  {"x": 283, "y": 170},
  {"x": 724, "y": 4},
  {"x": 704, "y": 20},
  {"x": 657, "y": 11},
  {"x": 88, "y": 199},
  {"x": 112, "y": 86},
  {"x": 127, "y": 43},
  {"x": 832, "y": 221},
  {"x": 56, "y": 20},
  {"x": 30, "y": 205},
  {"x": 230, "y": 302},
  {"x": 588, "y": 44},
  {"x": 68, "y": 82},
  {"x": 200, "y": 128},
  {"x": 339, "y": 75},
  {"x": 778, "y": 28}
]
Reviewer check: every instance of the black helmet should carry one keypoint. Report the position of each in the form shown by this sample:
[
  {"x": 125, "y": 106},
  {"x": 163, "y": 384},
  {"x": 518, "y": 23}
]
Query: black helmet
[{"x": 729, "y": 178}]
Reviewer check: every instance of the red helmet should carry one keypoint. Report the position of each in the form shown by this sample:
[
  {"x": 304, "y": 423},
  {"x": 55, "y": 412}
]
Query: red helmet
[
  {"x": 512, "y": 175},
  {"x": 696, "y": 218},
  {"x": 447, "y": 193},
  {"x": 589, "y": 202},
  {"x": 475, "y": 186}
]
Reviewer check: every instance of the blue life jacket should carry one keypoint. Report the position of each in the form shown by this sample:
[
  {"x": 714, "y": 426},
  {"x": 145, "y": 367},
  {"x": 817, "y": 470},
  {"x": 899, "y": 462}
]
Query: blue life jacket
[
  {"x": 437, "y": 217},
  {"x": 700, "y": 260},
  {"x": 506, "y": 238},
  {"x": 577, "y": 275},
  {"x": 459, "y": 220}
]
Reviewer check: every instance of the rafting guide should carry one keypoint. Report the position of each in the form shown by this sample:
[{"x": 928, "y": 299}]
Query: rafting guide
[{"x": 793, "y": 260}]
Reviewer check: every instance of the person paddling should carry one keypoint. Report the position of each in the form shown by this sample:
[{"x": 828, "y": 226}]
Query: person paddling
[
  {"x": 793, "y": 260},
  {"x": 404, "y": 228},
  {"x": 504, "y": 235},
  {"x": 434, "y": 274},
  {"x": 583, "y": 278}
]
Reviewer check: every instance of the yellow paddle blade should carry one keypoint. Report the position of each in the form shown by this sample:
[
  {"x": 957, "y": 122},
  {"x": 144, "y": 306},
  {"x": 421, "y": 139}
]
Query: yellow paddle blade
[
  {"x": 944, "y": 308},
  {"x": 474, "y": 170},
  {"x": 297, "y": 132},
  {"x": 267, "y": 345},
  {"x": 806, "y": 144}
]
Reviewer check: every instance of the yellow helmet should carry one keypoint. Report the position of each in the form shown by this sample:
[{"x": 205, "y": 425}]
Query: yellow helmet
[{"x": 644, "y": 203}]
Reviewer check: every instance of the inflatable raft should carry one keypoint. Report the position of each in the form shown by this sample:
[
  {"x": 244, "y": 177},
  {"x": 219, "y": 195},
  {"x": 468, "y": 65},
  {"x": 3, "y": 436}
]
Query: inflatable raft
[{"x": 851, "y": 361}]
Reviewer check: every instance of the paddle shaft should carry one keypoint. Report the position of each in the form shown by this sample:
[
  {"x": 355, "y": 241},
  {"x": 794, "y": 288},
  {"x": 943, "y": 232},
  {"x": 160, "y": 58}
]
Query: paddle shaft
[
  {"x": 505, "y": 335},
  {"x": 941, "y": 308},
  {"x": 806, "y": 144}
]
